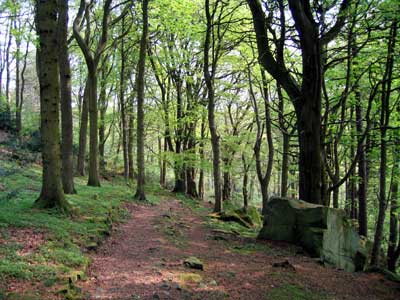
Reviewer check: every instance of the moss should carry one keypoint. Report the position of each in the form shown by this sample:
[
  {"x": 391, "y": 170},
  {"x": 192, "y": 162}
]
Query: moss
[
  {"x": 190, "y": 278},
  {"x": 250, "y": 248},
  {"x": 294, "y": 292},
  {"x": 61, "y": 257}
]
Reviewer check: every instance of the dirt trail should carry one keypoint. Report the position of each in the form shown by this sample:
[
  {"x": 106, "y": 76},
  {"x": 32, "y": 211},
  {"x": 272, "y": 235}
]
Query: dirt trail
[{"x": 143, "y": 259}]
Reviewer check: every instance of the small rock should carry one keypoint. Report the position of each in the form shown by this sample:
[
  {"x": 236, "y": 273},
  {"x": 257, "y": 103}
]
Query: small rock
[
  {"x": 284, "y": 264},
  {"x": 193, "y": 263},
  {"x": 202, "y": 285},
  {"x": 213, "y": 283}
]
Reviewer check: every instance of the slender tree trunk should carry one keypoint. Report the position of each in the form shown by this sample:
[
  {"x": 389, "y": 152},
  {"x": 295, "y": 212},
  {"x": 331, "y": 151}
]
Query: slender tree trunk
[
  {"x": 393, "y": 251},
  {"x": 215, "y": 139},
  {"x": 180, "y": 173},
  {"x": 66, "y": 100},
  {"x": 362, "y": 175},
  {"x": 285, "y": 165},
  {"x": 384, "y": 122},
  {"x": 93, "y": 179},
  {"x": 83, "y": 132},
  {"x": 21, "y": 102},
  {"x": 18, "y": 121},
  {"x": 123, "y": 105},
  {"x": 131, "y": 118},
  {"x": 245, "y": 192},
  {"x": 140, "y": 81},
  {"x": 201, "y": 154},
  {"x": 227, "y": 186},
  {"x": 102, "y": 125},
  {"x": 46, "y": 24}
]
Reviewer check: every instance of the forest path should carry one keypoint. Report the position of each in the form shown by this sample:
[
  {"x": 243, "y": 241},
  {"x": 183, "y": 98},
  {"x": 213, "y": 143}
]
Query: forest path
[{"x": 143, "y": 259}]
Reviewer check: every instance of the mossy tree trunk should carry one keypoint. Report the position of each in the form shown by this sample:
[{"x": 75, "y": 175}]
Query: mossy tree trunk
[
  {"x": 140, "y": 193},
  {"x": 52, "y": 195},
  {"x": 66, "y": 101},
  {"x": 80, "y": 169}
]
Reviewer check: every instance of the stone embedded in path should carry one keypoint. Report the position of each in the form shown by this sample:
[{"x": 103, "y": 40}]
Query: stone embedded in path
[
  {"x": 193, "y": 263},
  {"x": 321, "y": 230}
]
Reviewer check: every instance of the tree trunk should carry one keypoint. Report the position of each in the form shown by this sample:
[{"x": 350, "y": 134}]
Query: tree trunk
[
  {"x": 393, "y": 251},
  {"x": 83, "y": 132},
  {"x": 18, "y": 121},
  {"x": 140, "y": 81},
  {"x": 362, "y": 175},
  {"x": 384, "y": 122},
  {"x": 93, "y": 179},
  {"x": 201, "y": 154},
  {"x": 123, "y": 106},
  {"x": 66, "y": 101},
  {"x": 226, "y": 187},
  {"x": 245, "y": 192},
  {"x": 103, "y": 105},
  {"x": 131, "y": 170},
  {"x": 285, "y": 165},
  {"x": 52, "y": 195},
  {"x": 215, "y": 139}
]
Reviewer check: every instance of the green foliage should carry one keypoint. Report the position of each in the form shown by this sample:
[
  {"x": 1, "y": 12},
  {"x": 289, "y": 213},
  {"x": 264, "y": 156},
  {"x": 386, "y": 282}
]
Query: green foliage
[
  {"x": 65, "y": 238},
  {"x": 294, "y": 292}
]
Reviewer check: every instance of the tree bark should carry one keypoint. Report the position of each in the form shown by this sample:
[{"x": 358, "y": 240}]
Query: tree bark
[
  {"x": 306, "y": 97},
  {"x": 140, "y": 81},
  {"x": 215, "y": 139},
  {"x": 66, "y": 101},
  {"x": 52, "y": 195},
  {"x": 83, "y": 132},
  {"x": 384, "y": 122}
]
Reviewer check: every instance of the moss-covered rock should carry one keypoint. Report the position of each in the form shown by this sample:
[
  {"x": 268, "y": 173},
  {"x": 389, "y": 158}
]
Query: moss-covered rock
[
  {"x": 193, "y": 263},
  {"x": 324, "y": 232},
  {"x": 249, "y": 218}
]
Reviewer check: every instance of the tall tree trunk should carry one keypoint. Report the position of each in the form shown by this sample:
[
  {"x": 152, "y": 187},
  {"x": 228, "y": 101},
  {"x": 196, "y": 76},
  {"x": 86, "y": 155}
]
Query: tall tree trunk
[
  {"x": 83, "y": 132},
  {"x": 46, "y": 24},
  {"x": 285, "y": 165},
  {"x": 123, "y": 105},
  {"x": 215, "y": 139},
  {"x": 201, "y": 154},
  {"x": 93, "y": 179},
  {"x": 393, "y": 251},
  {"x": 131, "y": 118},
  {"x": 306, "y": 96},
  {"x": 18, "y": 121},
  {"x": 362, "y": 175},
  {"x": 384, "y": 122},
  {"x": 66, "y": 100},
  {"x": 21, "y": 102},
  {"x": 245, "y": 192},
  {"x": 226, "y": 186},
  {"x": 180, "y": 184},
  {"x": 140, "y": 81}
]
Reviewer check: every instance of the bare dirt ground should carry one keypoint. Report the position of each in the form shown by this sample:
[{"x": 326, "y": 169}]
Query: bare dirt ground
[{"x": 144, "y": 258}]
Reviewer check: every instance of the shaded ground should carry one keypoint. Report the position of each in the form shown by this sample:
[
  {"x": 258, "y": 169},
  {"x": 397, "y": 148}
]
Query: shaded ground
[{"x": 144, "y": 260}]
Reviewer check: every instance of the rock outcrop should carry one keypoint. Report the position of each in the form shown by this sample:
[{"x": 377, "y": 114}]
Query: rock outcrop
[{"x": 323, "y": 231}]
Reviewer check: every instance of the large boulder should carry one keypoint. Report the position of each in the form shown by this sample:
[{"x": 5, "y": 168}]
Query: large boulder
[{"x": 324, "y": 232}]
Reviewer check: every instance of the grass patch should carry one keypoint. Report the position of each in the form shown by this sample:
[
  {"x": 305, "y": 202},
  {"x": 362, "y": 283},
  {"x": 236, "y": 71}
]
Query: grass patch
[
  {"x": 294, "y": 292},
  {"x": 249, "y": 248},
  {"x": 63, "y": 250},
  {"x": 185, "y": 278}
]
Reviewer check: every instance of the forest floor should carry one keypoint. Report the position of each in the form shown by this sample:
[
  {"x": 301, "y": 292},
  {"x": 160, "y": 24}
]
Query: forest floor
[
  {"x": 143, "y": 259},
  {"x": 115, "y": 248}
]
